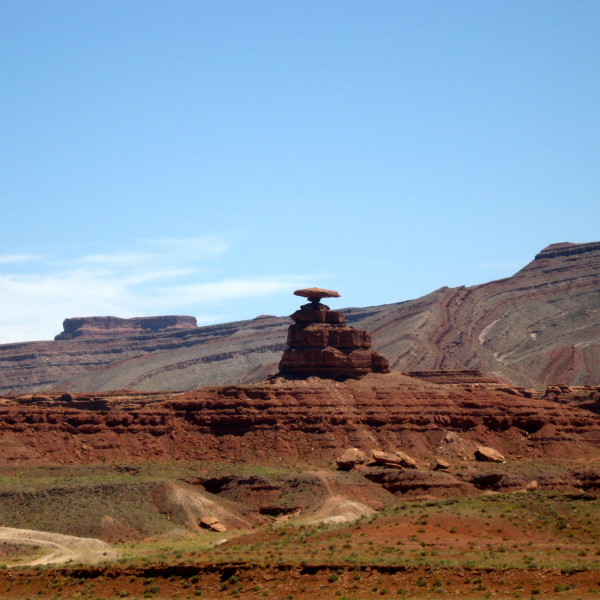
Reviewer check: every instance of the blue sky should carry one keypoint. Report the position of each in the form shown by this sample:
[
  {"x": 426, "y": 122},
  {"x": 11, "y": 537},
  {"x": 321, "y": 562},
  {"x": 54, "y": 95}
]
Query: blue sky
[{"x": 208, "y": 158}]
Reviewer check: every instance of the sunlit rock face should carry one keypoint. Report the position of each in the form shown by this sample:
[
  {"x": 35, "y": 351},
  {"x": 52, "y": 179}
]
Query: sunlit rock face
[
  {"x": 320, "y": 343},
  {"x": 538, "y": 328},
  {"x": 110, "y": 326}
]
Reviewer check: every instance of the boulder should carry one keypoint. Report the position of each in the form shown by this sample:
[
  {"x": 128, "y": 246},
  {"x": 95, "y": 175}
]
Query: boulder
[
  {"x": 407, "y": 461},
  {"x": 441, "y": 465},
  {"x": 385, "y": 459},
  {"x": 397, "y": 459},
  {"x": 350, "y": 458},
  {"x": 485, "y": 454},
  {"x": 316, "y": 293},
  {"x": 212, "y": 524}
]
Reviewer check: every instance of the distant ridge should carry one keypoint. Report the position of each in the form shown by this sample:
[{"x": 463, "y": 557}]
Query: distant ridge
[
  {"x": 539, "y": 327},
  {"x": 567, "y": 249},
  {"x": 108, "y": 326}
]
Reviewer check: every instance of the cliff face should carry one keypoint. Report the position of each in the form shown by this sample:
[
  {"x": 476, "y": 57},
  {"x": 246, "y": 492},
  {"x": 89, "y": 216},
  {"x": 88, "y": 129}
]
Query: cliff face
[
  {"x": 111, "y": 326},
  {"x": 320, "y": 343},
  {"x": 241, "y": 352},
  {"x": 284, "y": 421},
  {"x": 536, "y": 328},
  {"x": 539, "y": 327}
]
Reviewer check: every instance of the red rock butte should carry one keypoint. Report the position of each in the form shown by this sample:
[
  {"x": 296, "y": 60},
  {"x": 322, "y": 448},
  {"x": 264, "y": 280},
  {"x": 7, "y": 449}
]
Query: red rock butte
[
  {"x": 320, "y": 343},
  {"x": 537, "y": 328},
  {"x": 98, "y": 327}
]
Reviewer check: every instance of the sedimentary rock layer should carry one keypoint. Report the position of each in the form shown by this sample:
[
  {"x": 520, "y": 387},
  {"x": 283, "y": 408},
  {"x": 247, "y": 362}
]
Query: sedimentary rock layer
[
  {"x": 320, "y": 343},
  {"x": 111, "y": 326},
  {"x": 539, "y": 327},
  {"x": 308, "y": 421}
]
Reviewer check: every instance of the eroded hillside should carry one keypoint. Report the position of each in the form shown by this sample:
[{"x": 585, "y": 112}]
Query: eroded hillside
[{"x": 536, "y": 328}]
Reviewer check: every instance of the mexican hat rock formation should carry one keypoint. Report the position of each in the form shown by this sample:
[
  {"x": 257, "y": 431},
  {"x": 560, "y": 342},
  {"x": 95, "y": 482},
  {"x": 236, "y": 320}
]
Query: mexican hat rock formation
[{"x": 320, "y": 343}]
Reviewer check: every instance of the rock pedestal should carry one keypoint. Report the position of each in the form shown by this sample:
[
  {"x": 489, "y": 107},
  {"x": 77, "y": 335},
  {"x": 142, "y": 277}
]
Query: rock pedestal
[{"x": 321, "y": 344}]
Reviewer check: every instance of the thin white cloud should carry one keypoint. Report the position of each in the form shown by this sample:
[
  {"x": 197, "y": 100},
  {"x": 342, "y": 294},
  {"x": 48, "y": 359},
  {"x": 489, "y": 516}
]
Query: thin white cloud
[
  {"x": 229, "y": 289},
  {"x": 165, "y": 277},
  {"x": 201, "y": 247},
  {"x": 19, "y": 258},
  {"x": 156, "y": 252}
]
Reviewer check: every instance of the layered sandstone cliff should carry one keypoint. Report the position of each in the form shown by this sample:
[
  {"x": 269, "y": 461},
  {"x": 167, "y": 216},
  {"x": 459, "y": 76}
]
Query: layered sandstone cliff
[
  {"x": 295, "y": 421},
  {"x": 320, "y": 343},
  {"x": 114, "y": 326},
  {"x": 536, "y": 328}
]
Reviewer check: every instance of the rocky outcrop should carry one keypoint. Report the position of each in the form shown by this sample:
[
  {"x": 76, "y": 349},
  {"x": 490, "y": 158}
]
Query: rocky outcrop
[
  {"x": 320, "y": 343},
  {"x": 582, "y": 396},
  {"x": 395, "y": 459},
  {"x": 485, "y": 454},
  {"x": 567, "y": 249},
  {"x": 114, "y": 326},
  {"x": 350, "y": 458},
  {"x": 212, "y": 524},
  {"x": 529, "y": 478},
  {"x": 537, "y": 328},
  {"x": 419, "y": 484},
  {"x": 296, "y": 421},
  {"x": 452, "y": 376},
  {"x": 241, "y": 352}
]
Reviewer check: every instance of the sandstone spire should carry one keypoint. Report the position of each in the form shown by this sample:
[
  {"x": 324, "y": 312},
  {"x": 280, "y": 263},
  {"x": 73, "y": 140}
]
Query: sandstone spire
[{"x": 319, "y": 343}]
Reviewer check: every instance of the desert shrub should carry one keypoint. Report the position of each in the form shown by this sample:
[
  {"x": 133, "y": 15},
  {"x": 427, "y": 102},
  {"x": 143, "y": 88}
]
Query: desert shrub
[{"x": 153, "y": 589}]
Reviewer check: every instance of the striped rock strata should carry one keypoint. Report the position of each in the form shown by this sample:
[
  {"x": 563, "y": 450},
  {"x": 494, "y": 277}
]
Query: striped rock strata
[{"x": 305, "y": 421}]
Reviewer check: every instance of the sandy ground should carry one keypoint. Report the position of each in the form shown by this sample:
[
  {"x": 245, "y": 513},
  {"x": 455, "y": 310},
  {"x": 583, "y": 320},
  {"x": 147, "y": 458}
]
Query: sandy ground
[{"x": 59, "y": 548}]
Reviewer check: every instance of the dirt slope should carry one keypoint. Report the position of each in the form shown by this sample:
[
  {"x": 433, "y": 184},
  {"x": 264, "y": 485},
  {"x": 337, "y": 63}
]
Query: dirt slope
[{"x": 58, "y": 548}]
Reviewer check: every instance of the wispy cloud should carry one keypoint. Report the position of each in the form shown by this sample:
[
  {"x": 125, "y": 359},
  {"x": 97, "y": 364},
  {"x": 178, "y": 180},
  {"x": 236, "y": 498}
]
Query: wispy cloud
[
  {"x": 228, "y": 289},
  {"x": 19, "y": 258},
  {"x": 159, "y": 252},
  {"x": 156, "y": 277}
]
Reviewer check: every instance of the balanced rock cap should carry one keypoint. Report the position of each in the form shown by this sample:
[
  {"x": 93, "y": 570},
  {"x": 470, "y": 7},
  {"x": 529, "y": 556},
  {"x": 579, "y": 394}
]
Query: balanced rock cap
[{"x": 318, "y": 293}]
